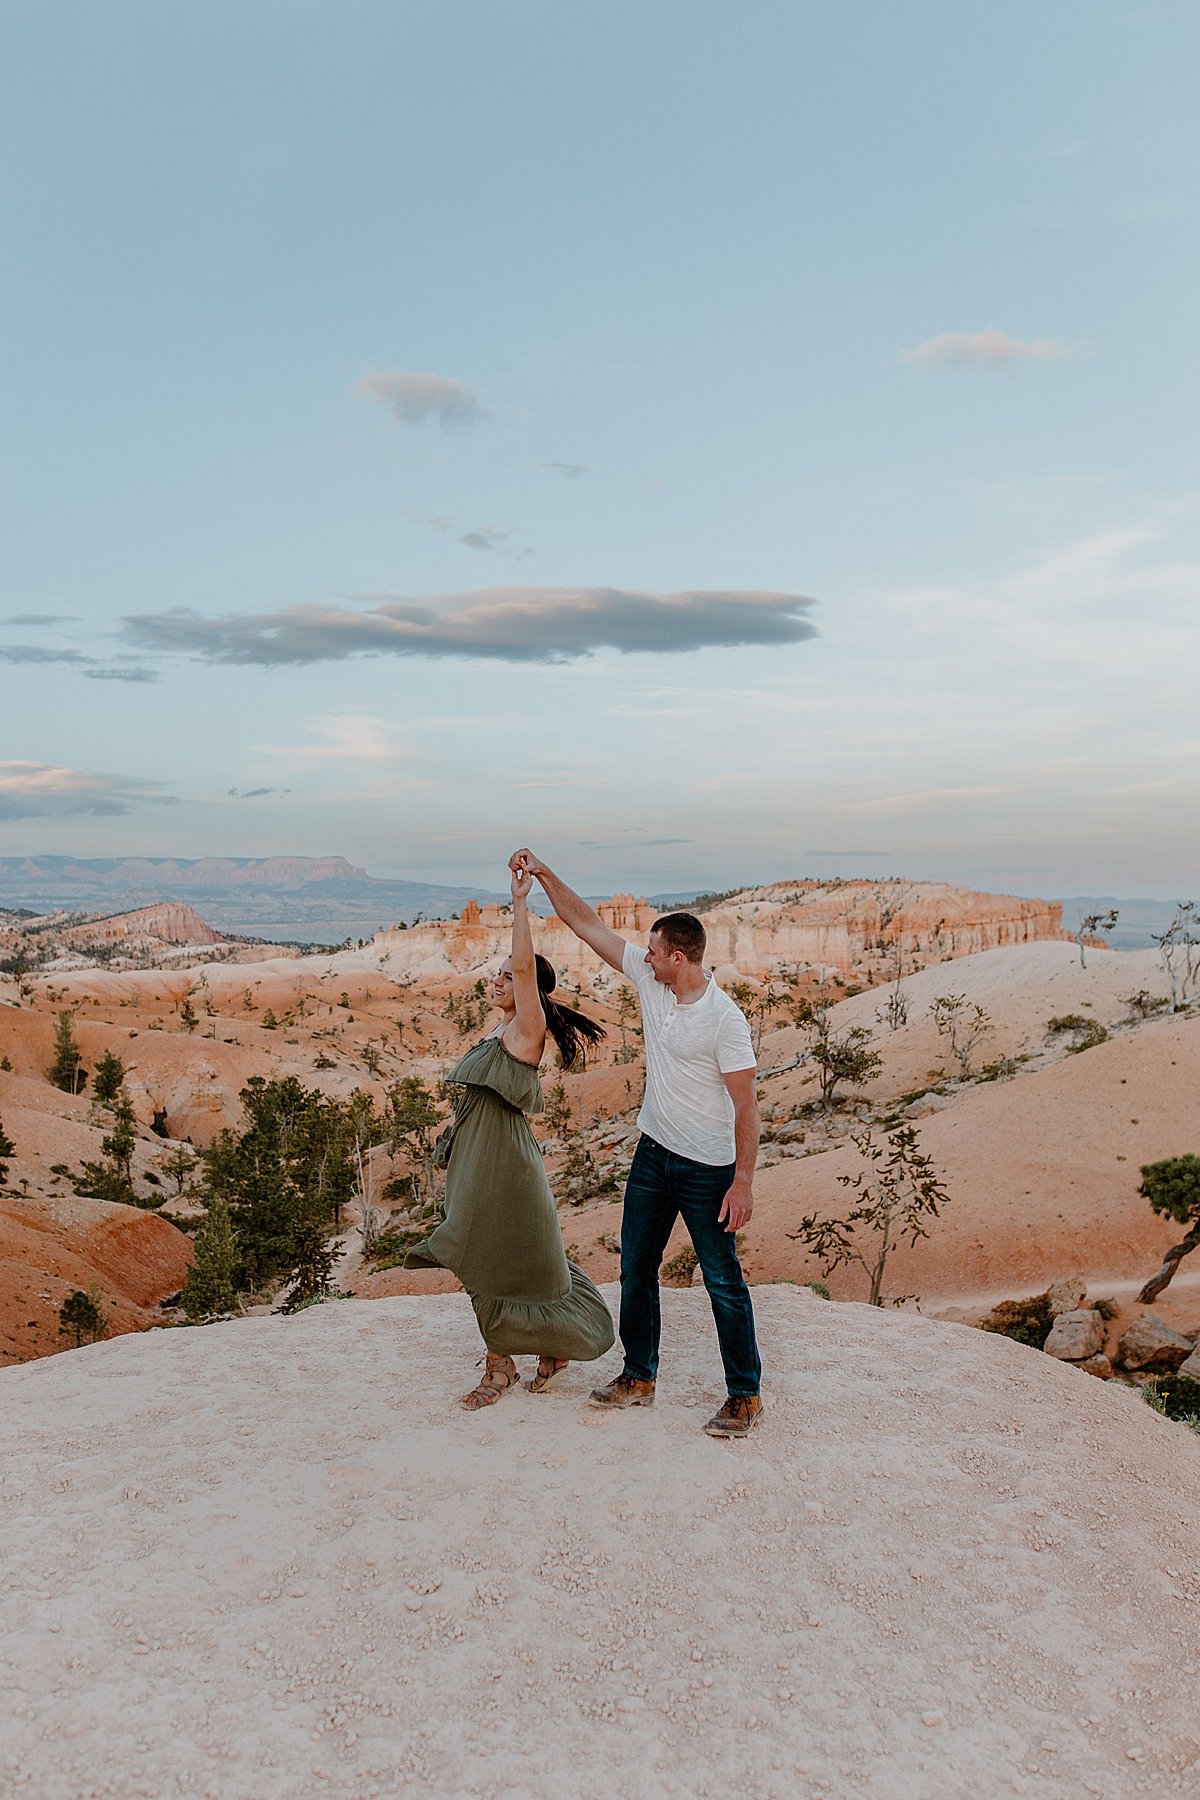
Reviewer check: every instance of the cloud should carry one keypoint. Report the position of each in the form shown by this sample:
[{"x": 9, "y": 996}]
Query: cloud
[
  {"x": 510, "y": 624},
  {"x": 258, "y": 793},
  {"x": 347, "y": 737},
  {"x": 38, "y": 653},
  {"x": 901, "y": 803},
  {"x": 990, "y": 348},
  {"x": 126, "y": 668},
  {"x": 414, "y": 396},
  {"x": 123, "y": 672},
  {"x": 485, "y": 537},
  {"x": 569, "y": 471},
  {"x": 39, "y": 619},
  {"x": 32, "y": 790}
]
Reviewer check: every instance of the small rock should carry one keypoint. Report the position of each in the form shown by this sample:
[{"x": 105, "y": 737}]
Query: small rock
[
  {"x": 1190, "y": 1368},
  {"x": 1076, "y": 1335},
  {"x": 1067, "y": 1295},
  {"x": 926, "y": 1104},
  {"x": 1098, "y": 1365},
  {"x": 1151, "y": 1344}
]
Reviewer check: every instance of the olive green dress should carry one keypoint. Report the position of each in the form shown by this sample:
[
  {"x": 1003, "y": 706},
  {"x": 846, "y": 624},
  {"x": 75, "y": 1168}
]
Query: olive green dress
[{"x": 501, "y": 1235}]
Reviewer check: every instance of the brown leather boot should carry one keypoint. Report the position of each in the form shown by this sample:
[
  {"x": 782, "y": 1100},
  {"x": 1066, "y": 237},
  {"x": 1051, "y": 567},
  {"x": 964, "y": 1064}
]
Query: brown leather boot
[
  {"x": 626, "y": 1390},
  {"x": 737, "y": 1418}
]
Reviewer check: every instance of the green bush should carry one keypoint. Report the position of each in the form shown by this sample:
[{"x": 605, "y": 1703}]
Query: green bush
[
  {"x": 1086, "y": 1033},
  {"x": 1024, "y": 1321},
  {"x": 1175, "y": 1397}
]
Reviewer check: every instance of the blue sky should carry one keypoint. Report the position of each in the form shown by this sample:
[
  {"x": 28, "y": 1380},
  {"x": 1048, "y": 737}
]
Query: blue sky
[{"x": 709, "y": 443}]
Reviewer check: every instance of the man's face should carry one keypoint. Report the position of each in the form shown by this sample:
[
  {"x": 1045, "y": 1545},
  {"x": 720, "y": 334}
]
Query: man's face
[{"x": 663, "y": 963}]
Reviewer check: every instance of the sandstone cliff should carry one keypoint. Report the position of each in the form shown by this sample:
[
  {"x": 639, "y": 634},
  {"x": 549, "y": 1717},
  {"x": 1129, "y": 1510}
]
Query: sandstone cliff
[
  {"x": 853, "y": 928},
  {"x": 169, "y": 922}
]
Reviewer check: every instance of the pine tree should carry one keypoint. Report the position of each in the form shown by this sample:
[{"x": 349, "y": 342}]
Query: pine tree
[
  {"x": 209, "y": 1287},
  {"x": 7, "y": 1149},
  {"x": 67, "y": 1071},
  {"x": 314, "y": 1266},
  {"x": 112, "y": 1179},
  {"x": 108, "y": 1079},
  {"x": 82, "y": 1316}
]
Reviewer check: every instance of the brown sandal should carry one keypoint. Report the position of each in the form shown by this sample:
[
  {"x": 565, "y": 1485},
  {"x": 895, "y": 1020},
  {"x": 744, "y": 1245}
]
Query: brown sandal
[
  {"x": 500, "y": 1375},
  {"x": 548, "y": 1371}
]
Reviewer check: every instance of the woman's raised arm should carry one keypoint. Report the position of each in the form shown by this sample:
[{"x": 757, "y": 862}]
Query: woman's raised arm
[{"x": 525, "y": 1037}]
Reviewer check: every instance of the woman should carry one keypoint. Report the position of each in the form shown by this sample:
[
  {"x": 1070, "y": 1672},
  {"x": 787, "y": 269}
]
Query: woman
[{"x": 501, "y": 1235}]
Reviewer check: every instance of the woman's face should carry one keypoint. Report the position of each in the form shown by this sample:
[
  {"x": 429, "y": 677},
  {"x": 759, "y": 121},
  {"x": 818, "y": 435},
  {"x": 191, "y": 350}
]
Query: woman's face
[{"x": 502, "y": 986}]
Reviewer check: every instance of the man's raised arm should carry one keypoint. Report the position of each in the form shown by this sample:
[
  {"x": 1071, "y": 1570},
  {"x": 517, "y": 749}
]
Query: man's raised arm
[{"x": 583, "y": 920}]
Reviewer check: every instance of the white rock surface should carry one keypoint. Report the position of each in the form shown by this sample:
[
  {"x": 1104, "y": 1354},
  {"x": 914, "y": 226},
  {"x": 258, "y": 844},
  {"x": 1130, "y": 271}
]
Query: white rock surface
[{"x": 273, "y": 1559}]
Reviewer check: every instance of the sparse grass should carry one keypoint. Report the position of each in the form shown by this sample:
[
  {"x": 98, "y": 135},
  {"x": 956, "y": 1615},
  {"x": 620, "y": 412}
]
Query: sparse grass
[{"x": 818, "y": 1288}]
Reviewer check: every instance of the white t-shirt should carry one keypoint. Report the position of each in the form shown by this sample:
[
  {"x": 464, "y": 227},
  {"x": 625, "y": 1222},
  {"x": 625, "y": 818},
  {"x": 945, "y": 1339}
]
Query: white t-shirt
[{"x": 689, "y": 1049}]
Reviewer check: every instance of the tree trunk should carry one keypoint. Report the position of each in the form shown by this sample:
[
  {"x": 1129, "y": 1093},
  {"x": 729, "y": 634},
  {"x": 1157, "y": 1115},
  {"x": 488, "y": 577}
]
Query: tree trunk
[{"x": 1171, "y": 1262}]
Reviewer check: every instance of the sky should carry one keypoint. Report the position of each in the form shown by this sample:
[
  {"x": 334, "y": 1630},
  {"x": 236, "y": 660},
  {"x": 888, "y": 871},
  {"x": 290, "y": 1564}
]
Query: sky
[{"x": 707, "y": 444}]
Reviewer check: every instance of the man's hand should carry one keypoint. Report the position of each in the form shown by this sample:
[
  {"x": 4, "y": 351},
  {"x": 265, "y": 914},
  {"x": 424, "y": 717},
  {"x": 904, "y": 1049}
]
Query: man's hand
[
  {"x": 737, "y": 1206},
  {"x": 525, "y": 859}
]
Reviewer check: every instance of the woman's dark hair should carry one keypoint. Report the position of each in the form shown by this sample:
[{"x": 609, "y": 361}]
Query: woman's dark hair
[{"x": 572, "y": 1031}]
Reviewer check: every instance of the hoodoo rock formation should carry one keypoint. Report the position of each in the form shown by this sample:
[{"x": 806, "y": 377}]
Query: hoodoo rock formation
[{"x": 853, "y": 928}]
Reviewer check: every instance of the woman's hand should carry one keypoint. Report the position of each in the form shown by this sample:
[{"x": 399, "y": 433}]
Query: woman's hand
[{"x": 522, "y": 882}]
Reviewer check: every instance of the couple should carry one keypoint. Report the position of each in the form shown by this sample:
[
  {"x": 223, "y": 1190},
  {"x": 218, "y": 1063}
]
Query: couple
[{"x": 695, "y": 1157}]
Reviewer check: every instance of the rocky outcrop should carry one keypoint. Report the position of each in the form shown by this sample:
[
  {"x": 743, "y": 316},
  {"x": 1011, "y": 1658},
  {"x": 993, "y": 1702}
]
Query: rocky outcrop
[
  {"x": 849, "y": 928},
  {"x": 1075, "y": 1336},
  {"x": 1150, "y": 1344},
  {"x": 48, "y": 1247},
  {"x": 1067, "y": 1295},
  {"x": 171, "y": 922}
]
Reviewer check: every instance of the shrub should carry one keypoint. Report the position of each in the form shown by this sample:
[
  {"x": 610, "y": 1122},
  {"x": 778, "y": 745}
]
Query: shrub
[
  {"x": 678, "y": 1270},
  {"x": 1176, "y": 1397},
  {"x": 819, "y": 1288},
  {"x": 1024, "y": 1321},
  {"x": 1085, "y": 1033},
  {"x": 1143, "y": 1004}
]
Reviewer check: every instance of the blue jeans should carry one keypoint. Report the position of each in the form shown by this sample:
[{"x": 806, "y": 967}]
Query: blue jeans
[{"x": 661, "y": 1188}]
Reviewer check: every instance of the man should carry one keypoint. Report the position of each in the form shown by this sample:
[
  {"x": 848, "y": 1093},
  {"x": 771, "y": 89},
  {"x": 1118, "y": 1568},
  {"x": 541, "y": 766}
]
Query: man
[{"x": 696, "y": 1154}]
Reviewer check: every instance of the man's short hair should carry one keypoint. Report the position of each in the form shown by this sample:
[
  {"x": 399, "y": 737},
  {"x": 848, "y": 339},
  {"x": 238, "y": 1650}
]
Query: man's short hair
[{"x": 682, "y": 932}]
